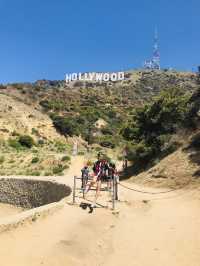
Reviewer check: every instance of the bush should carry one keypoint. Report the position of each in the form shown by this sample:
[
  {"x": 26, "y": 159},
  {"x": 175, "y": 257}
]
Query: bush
[
  {"x": 35, "y": 160},
  {"x": 107, "y": 142},
  {"x": 66, "y": 158},
  {"x": 48, "y": 174},
  {"x": 55, "y": 105},
  {"x": 32, "y": 173},
  {"x": 66, "y": 126},
  {"x": 153, "y": 125},
  {"x": 195, "y": 142},
  {"x": 58, "y": 169},
  {"x": 81, "y": 153},
  {"x": 2, "y": 159},
  {"x": 15, "y": 134},
  {"x": 26, "y": 141},
  {"x": 98, "y": 149},
  {"x": 120, "y": 158},
  {"x": 41, "y": 142},
  {"x": 107, "y": 131},
  {"x": 35, "y": 173},
  {"x": 60, "y": 146},
  {"x": 34, "y": 131},
  {"x": 140, "y": 153},
  {"x": 105, "y": 157},
  {"x": 14, "y": 143}
]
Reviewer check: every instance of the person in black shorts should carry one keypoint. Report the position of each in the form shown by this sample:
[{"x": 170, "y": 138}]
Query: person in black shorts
[
  {"x": 98, "y": 170},
  {"x": 84, "y": 176},
  {"x": 111, "y": 174}
]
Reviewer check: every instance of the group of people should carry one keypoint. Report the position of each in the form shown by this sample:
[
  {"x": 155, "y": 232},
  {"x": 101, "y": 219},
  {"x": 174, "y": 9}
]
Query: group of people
[{"x": 102, "y": 171}]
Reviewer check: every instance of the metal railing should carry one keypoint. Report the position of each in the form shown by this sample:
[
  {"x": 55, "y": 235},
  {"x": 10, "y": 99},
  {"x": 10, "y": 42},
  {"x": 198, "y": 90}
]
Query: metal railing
[{"x": 114, "y": 189}]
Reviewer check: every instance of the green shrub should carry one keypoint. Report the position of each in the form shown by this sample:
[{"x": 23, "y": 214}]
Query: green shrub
[
  {"x": 65, "y": 166},
  {"x": 195, "y": 142},
  {"x": 98, "y": 149},
  {"x": 66, "y": 126},
  {"x": 58, "y": 169},
  {"x": 41, "y": 142},
  {"x": 15, "y": 134},
  {"x": 14, "y": 143},
  {"x": 106, "y": 157},
  {"x": 107, "y": 131},
  {"x": 66, "y": 158},
  {"x": 107, "y": 142},
  {"x": 81, "y": 153},
  {"x": 32, "y": 173},
  {"x": 60, "y": 146},
  {"x": 34, "y": 131},
  {"x": 2, "y": 159},
  {"x": 35, "y": 160},
  {"x": 26, "y": 141},
  {"x": 48, "y": 174},
  {"x": 153, "y": 125},
  {"x": 120, "y": 158}
]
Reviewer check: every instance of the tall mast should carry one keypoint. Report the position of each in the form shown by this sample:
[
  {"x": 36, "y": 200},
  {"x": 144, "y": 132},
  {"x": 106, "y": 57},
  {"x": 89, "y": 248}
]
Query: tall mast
[
  {"x": 156, "y": 52},
  {"x": 154, "y": 63}
]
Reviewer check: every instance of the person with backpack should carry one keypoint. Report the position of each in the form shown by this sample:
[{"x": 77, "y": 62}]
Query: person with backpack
[
  {"x": 97, "y": 179},
  {"x": 111, "y": 173},
  {"x": 84, "y": 176},
  {"x": 104, "y": 170}
]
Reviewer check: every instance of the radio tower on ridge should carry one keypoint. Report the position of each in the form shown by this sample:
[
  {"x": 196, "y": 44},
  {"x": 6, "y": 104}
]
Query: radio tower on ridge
[
  {"x": 154, "y": 63},
  {"x": 156, "y": 53}
]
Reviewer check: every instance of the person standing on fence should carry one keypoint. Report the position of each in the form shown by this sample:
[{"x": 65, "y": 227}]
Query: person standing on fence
[{"x": 97, "y": 178}]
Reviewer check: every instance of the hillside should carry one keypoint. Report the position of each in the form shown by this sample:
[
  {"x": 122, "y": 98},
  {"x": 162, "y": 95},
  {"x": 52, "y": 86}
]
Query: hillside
[
  {"x": 90, "y": 101},
  {"x": 19, "y": 117},
  {"x": 52, "y": 113}
]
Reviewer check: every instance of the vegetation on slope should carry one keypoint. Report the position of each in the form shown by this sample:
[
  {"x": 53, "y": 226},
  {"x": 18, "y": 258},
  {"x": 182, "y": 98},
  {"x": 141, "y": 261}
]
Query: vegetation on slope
[
  {"x": 150, "y": 131},
  {"x": 143, "y": 112}
]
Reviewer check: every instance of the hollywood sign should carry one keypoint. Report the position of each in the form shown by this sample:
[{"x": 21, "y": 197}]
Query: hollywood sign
[{"x": 97, "y": 77}]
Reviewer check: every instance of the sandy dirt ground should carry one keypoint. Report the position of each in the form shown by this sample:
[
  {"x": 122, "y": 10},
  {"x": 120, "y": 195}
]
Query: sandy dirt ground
[
  {"x": 147, "y": 230},
  {"x": 7, "y": 210}
]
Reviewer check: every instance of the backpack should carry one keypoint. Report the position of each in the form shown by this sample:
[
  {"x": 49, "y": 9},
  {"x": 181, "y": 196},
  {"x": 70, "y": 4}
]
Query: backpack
[{"x": 97, "y": 167}]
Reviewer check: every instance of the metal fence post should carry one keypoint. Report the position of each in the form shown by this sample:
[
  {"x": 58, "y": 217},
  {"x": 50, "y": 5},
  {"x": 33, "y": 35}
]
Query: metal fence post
[
  {"x": 74, "y": 191},
  {"x": 113, "y": 194},
  {"x": 116, "y": 189}
]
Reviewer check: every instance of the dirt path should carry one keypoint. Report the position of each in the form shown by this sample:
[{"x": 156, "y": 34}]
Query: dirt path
[
  {"x": 148, "y": 231},
  {"x": 7, "y": 210}
]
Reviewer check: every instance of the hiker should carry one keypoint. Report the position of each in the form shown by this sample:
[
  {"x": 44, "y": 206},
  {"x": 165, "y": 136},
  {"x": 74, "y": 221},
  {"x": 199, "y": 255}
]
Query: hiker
[
  {"x": 105, "y": 168},
  {"x": 97, "y": 178},
  {"x": 105, "y": 172},
  {"x": 111, "y": 173},
  {"x": 84, "y": 176}
]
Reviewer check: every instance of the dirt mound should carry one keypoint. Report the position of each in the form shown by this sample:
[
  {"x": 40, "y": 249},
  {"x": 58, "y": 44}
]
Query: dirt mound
[
  {"x": 18, "y": 117},
  {"x": 176, "y": 170}
]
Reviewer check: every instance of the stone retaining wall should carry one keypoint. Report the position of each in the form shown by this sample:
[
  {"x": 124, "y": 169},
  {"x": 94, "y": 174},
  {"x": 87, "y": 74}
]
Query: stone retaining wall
[{"x": 31, "y": 193}]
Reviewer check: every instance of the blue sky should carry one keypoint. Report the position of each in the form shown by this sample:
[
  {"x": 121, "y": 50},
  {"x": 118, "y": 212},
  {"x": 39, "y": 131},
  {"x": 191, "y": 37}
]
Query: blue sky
[{"x": 46, "y": 38}]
